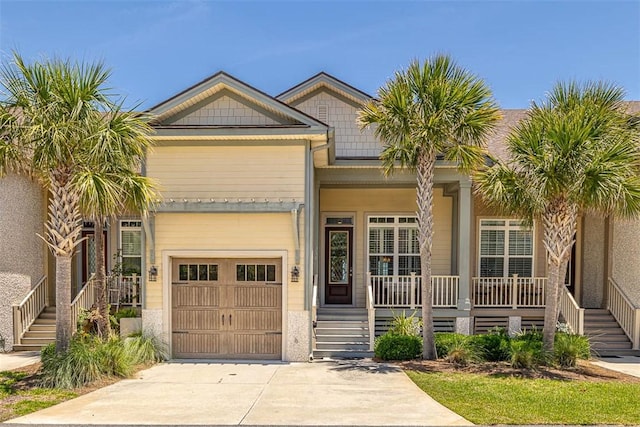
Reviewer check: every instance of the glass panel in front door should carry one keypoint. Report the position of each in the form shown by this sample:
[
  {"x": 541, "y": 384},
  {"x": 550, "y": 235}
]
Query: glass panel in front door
[{"x": 339, "y": 256}]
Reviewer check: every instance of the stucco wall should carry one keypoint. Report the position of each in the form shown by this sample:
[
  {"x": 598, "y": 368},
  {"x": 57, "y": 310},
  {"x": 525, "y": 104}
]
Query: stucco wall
[
  {"x": 13, "y": 288},
  {"x": 625, "y": 268},
  {"x": 21, "y": 217},
  {"x": 593, "y": 252}
]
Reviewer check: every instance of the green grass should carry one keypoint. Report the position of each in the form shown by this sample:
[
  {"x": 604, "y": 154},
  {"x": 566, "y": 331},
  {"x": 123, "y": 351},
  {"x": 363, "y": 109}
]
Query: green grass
[
  {"x": 485, "y": 399},
  {"x": 15, "y": 402}
]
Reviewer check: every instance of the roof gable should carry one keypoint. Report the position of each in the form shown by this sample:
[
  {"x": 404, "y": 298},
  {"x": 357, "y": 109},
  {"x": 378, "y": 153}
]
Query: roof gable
[
  {"x": 223, "y": 100},
  {"x": 323, "y": 80}
]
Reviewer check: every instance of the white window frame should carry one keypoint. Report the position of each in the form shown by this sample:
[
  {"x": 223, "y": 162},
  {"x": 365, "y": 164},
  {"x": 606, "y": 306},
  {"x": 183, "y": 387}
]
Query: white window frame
[
  {"x": 396, "y": 225},
  {"x": 122, "y": 227},
  {"x": 505, "y": 257}
]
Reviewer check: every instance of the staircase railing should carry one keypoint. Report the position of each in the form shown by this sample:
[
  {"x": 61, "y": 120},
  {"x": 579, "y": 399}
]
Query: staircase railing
[
  {"x": 371, "y": 312},
  {"x": 625, "y": 312},
  {"x": 314, "y": 304},
  {"x": 84, "y": 300},
  {"x": 25, "y": 313},
  {"x": 571, "y": 311}
]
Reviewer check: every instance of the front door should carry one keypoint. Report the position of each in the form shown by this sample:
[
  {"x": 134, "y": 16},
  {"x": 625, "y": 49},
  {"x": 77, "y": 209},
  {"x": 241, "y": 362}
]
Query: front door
[{"x": 339, "y": 265}]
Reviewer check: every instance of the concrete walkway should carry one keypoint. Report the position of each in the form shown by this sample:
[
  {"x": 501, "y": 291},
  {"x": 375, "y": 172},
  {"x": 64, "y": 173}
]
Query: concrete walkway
[
  {"x": 15, "y": 360},
  {"x": 319, "y": 393},
  {"x": 629, "y": 365}
]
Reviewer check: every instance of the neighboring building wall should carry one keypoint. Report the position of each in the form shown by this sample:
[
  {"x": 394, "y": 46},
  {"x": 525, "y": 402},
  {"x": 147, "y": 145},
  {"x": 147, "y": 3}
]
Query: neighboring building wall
[
  {"x": 13, "y": 288},
  {"x": 625, "y": 259},
  {"x": 593, "y": 265},
  {"x": 363, "y": 202},
  {"x": 342, "y": 114},
  {"x": 21, "y": 219}
]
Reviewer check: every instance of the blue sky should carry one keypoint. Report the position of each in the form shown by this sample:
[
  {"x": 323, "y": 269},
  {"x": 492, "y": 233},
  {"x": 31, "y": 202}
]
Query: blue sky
[{"x": 158, "y": 48}]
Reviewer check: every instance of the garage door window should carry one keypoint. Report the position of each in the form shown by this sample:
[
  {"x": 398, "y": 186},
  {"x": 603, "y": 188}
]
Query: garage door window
[
  {"x": 255, "y": 273},
  {"x": 198, "y": 272}
]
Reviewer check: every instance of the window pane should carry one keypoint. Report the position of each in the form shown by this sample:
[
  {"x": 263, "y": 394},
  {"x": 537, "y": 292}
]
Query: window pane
[
  {"x": 131, "y": 266},
  {"x": 213, "y": 272},
  {"x": 261, "y": 274},
  {"x": 492, "y": 242},
  {"x": 408, "y": 264},
  {"x": 520, "y": 266},
  {"x": 183, "y": 272},
  {"x": 520, "y": 242},
  {"x": 381, "y": 265},
  {"x": 388, "y": 241},
  {"x": 271, "y": 273},
  {"x": 203, "y": 272},
  {"x": 408, "y": 241},
  {"x": 491, "y": 267},
  {"x": 131, "y": 242},
  {"x": 251, "y": 273},
  {"x": 492, "y": 223},
  {"x": 240, "y": 273},
  {"x": 193, "y": 272}
]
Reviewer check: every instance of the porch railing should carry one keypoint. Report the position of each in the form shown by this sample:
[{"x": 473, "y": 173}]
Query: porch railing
[
  {"x": 87, "y": 296},
  {"x": 626, "y": 313},
  {"x": 314, "y": 305},
  {"x": 406, "y": 291},
  {"x": 124, "y": 290},
  {"x": 371, "y": 313},
  {"x": 25, "y": 313},
  {"x": 571, "y": 312},
  {"x": 513, "y": 292}
]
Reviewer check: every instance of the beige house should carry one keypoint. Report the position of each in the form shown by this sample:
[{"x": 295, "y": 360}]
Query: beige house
[{"x": 278, "y": 237}]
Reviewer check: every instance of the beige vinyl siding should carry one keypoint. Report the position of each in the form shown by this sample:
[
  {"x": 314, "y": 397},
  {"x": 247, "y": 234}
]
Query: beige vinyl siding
[
  {"x": 366, "y": 202},
  {"x": 350, "y": 140},
  {"x": 480, "y": 210},
  {"x": 226, "y": 232},
  {"x": 219, "y": 172},
  {"x": 229, "y": 110}
]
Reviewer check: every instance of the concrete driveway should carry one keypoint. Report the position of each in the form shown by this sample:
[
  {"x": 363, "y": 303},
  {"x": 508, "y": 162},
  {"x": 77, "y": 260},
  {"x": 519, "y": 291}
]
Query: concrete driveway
[{"x": 231, "y": 393}]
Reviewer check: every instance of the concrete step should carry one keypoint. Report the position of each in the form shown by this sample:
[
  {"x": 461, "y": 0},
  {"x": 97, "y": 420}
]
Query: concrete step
[
  {"x": 41, "y": 321},
  {"x": 342, "y": 310},
  {"x": 361, "y": 337},
  {"x": 28, "y": 347},
  {"x": 43, "y": 327},
  {"x": 38, "y": 341},
  {"x": 342, "y": 331},
  {"x": 341, "y": 354},
  {"x": 349, "y": 346},
  {"x": 615, "y": 352},
  {"x": 45, "y": 315},
  {"x": 40, "y": 334},
  {"x": 49, "y": 310},
  {"x": 342, "y": 323},
  {"x": 340, "y": 317}
]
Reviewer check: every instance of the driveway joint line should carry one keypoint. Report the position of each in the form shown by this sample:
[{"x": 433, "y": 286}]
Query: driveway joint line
[{"x": 264, "y": 387}]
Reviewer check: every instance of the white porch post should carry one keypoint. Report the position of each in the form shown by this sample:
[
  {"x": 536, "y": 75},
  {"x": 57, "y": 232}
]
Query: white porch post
[{"x": 464, "y": 244}]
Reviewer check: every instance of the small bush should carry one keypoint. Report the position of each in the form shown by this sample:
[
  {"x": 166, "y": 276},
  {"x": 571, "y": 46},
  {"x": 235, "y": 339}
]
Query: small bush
[
  {"x": 445, "y": 341},
  {"x": 568, "y": 348},
  {"x": 462, "y": 350},
  {"x": 494, "y": 346},
  {"x": 406, "y": 325},
  {"x": 126, "y": 312},
  {"x": 142, "y": 349},
  {"x": 527, "y": 351},
  {"x": 398, "y": 347}
]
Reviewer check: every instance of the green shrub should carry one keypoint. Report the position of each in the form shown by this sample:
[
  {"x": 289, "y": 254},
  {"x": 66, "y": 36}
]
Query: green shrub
[
  {"x": 445, "y": 341},
  {"x": 398, "y": 347},
  {"x": 527, "y": 351},
  {"x": 568, "y": 348},
  {"x": 462, "y": 350},
  {"x": 90, "y": 358},
  {"x": 494, "y": 346},
  {"x": 406, "y": 325},
  {"x": 142, "y": 349},
  {"x": 126, "y": 312}
]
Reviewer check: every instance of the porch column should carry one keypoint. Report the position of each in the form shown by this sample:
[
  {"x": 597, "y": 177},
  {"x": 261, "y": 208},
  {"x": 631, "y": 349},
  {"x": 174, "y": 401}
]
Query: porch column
[{"x": 464, "y": 244}]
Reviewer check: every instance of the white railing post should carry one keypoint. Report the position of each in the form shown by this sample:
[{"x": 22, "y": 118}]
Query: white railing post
[
  {"x": 412, "y": 298},
  {"x": 636, "y": 334},
  {"x": 371, "y": 311},
  {"x": 514, "y": 291}
]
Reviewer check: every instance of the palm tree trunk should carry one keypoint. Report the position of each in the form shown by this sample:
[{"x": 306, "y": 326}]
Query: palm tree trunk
[
  {"x": 100, "y": 282},
  {"x": 426, "y": 164},
  {"x": 559, "y": 219},
  {"x": 63, "y": 228}
]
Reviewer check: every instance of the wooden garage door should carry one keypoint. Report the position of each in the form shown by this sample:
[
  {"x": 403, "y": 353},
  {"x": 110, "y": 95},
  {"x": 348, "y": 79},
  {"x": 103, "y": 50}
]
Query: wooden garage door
[{"x": 227, "y": 308}]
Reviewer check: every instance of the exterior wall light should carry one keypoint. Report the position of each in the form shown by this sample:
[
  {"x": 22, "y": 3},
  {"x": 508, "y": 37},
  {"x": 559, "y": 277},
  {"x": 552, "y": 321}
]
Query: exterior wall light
[
  {"x": 295, "y": 274},
  {"x": 153, "y": 273}
]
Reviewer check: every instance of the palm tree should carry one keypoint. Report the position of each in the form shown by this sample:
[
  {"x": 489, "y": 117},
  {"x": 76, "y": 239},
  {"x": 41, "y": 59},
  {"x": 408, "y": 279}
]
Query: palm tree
[
  {"x": 49, "y": 114},
  {"x": 430, "y": 109},
  {"x": 575, "y": 152},
  {"x": 113, "y": 186}
]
